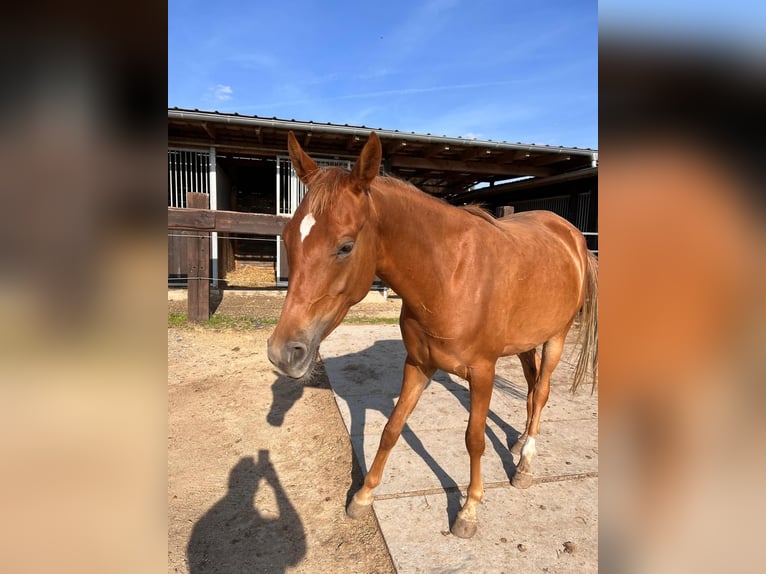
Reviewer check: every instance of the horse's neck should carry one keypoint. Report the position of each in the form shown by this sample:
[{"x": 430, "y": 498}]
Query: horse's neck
[{"x": 414, "y": 235}]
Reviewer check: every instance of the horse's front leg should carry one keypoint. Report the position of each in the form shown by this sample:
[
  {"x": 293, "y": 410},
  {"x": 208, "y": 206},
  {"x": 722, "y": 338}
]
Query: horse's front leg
[
  {"x": 413, "y": 383},
  {"x": 480, "y": 380}
]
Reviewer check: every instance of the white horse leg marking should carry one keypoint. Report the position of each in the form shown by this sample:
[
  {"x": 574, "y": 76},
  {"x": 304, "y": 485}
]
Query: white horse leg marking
[
  {"x": 306, "y": 225},
  {"x": 529, "y": 450}
]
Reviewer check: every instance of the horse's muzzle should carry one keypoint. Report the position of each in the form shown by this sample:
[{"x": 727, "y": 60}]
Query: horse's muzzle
[{"x": 293, "y": 358}]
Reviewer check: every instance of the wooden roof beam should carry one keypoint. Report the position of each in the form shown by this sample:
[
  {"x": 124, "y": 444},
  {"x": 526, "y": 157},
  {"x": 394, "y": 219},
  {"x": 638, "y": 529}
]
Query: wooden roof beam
[
  {"x": 480, "y": 153},
  {"x": 467, "y": 167},
  {"x": 208, "y": 130},
  {"x": 549, "y": 159}
]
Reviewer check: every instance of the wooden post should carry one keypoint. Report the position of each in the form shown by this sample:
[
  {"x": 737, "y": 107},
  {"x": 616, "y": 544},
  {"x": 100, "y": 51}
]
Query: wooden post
[
  {"x": 198, "y": 291},
  {"x": 199, "y": 276},
  {"x": 198, "y": 222}
]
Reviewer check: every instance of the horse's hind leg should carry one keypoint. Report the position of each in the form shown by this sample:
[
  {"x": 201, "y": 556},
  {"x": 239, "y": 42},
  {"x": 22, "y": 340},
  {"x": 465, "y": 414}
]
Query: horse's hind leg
[
  {"x": 414, "y": 381},
  {"x": 552, "y": 350},
  {"x": 530, "y": 363}
]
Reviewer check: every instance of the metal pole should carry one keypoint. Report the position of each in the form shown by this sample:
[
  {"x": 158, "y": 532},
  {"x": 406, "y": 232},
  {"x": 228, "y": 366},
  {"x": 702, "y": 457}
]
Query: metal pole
[{"x": 213, "y": 205}]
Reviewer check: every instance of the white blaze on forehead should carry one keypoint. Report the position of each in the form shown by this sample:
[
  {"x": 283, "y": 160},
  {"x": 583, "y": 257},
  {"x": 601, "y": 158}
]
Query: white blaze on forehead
[{"x": 306, "y": 225}]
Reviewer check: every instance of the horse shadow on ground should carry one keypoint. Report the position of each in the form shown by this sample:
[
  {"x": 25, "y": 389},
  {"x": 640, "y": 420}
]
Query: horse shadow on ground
[
  {"x": 234, "y": 536},
  {"x": 285, "y": 392},
  {"x": 371, "y": 380}
]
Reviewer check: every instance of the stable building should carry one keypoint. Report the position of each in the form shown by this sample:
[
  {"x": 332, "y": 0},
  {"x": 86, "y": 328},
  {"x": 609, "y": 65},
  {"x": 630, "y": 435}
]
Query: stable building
[{"x": 240, "y": 163}]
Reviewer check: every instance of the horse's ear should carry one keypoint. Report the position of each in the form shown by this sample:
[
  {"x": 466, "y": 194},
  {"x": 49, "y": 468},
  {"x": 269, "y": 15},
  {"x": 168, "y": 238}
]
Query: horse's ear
[
  {"x": 368, "y": 164},
  {"x": 303, "y": 164}
]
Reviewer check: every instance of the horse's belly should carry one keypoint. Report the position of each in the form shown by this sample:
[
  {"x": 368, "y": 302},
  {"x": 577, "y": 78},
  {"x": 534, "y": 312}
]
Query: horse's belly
[
  {"x": 521, "y": 336},
  {"x": 517, "y": 348}
]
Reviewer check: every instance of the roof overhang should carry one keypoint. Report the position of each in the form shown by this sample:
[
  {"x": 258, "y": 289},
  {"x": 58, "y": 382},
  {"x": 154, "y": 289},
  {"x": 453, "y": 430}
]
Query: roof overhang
[{"x": 441, "y": 165}]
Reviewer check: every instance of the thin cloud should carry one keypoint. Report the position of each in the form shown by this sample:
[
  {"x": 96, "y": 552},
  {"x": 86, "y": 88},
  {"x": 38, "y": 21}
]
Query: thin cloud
[
  {"x": 222, "y": 93},
  {"x": 254, "y": 60},
  {"x": 387, "y": 93}
]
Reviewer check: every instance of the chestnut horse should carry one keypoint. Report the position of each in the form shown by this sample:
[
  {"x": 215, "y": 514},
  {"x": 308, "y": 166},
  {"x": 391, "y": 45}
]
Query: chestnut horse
[{"x": 473, "y": 289}]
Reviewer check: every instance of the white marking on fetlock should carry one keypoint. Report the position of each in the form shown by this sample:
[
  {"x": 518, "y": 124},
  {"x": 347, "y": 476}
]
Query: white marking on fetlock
[
  {"x": 529, "y": 450},
  {"x": 306, "y": 225}
]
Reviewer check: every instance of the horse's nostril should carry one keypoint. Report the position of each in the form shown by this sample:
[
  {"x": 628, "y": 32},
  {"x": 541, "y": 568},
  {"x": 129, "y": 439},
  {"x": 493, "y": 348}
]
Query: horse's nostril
[{"x": 297, "y": 352}]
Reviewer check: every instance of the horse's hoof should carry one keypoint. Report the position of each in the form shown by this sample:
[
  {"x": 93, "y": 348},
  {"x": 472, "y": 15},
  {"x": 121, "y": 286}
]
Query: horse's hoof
[
  {"x": 355, "y": 510},
  {"x": 464, "y": 528},
  {"x": 522, "y": 479},
  {"x": 517, "y": 446}
]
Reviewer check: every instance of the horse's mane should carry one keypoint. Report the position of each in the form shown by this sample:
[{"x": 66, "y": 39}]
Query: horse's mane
[
  {"x": 479, "y": 211},
  {"x": 324, "y": 181}
]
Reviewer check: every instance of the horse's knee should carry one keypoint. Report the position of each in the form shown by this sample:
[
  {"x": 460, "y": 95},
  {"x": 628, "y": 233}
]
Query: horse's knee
[
  {"x": 475, "y": 442},
  {"x": 388, "y": 438}
]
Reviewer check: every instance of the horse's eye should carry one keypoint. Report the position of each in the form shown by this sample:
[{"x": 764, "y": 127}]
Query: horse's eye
[{"x": 345, "y": 249}]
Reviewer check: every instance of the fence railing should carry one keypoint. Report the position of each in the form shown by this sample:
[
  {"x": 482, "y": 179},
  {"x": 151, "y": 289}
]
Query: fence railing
[
  {"x": 203, "y": 222},
  {"x": 588, "y": 235},
  {"x": 206, "y": 221}
]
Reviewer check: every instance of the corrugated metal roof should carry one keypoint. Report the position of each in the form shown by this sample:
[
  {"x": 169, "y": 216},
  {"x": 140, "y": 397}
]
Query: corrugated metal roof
[{"x": 233, "y": 118}]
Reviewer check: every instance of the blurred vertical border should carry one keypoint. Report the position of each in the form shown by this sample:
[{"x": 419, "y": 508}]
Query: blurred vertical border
[
  {"x": 82, "y": 286},
  {"x": 682, "y": 286}
]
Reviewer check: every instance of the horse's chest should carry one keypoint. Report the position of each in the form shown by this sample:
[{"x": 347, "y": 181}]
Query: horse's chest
[{"x": 431, "y": 350}]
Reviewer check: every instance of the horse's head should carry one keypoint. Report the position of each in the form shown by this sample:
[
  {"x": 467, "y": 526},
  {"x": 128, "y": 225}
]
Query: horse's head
[{"x": 331, "y": 252}]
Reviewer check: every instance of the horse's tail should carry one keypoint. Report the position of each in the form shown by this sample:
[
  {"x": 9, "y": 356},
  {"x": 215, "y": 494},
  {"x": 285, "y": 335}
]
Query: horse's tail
[{"x": 587, "y": 362}]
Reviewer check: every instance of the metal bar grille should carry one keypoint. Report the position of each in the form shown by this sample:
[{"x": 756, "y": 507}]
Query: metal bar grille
[
  {"x": 583, "y": 204},
  {"x": 558, "y": 205},
  {"x": 188, "y": 171},
  {"x": 290, "y": 189}
]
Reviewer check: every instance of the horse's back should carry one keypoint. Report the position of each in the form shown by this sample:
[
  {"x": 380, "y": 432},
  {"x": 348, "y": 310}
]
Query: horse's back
[
  {"x": 537, "y": 219},
  {"x": 545, "y": 230}
]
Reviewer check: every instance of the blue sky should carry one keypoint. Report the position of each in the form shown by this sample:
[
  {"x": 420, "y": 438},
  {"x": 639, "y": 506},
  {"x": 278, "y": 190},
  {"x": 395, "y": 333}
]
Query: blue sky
[
  {"x": 491, "y": 69},
  {"x": 739, "y": 24}
]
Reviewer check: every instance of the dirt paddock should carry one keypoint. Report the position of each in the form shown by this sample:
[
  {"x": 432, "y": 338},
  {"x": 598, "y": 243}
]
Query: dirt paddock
[{"x": 259, "y": 467}]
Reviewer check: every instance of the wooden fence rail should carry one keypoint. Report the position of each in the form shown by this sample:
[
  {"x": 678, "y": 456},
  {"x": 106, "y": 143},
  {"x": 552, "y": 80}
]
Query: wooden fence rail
[
  {"x": 191, "y": 219},
  {"x": 205, "y": 221}
]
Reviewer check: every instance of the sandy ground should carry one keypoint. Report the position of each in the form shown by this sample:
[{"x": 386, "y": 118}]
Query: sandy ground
[{"x": 259, "y": 467}]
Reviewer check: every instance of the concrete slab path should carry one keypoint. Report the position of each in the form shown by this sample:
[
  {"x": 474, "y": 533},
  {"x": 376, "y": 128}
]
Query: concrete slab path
[{"x": 428, "y": 471}]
